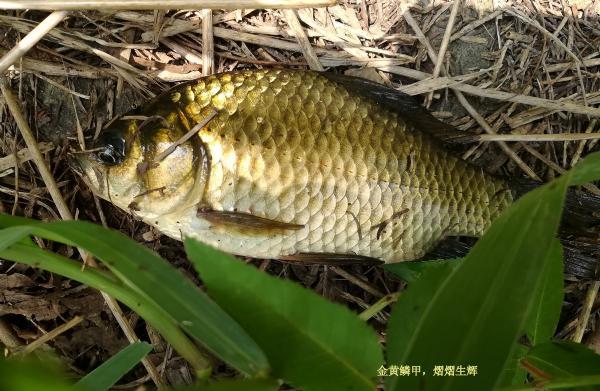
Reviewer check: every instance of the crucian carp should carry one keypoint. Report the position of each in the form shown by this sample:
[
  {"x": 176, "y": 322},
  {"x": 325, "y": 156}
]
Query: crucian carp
[{"x": 294, "y": 165}]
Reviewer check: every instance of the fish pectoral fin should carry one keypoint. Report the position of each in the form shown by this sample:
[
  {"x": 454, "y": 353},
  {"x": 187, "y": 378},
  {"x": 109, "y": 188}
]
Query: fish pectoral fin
[
  {"x": 332, "y": 259},
  {"x": 245, "y": 223}
]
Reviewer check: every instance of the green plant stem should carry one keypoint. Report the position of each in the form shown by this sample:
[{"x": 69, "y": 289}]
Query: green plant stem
[
  {"x": 105, "y": 282},
  {"x": 379, "y": 305},
  {"x": 576, "y": 381}
]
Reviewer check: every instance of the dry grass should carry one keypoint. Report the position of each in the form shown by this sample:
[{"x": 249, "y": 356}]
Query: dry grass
[{"x": 526, "y": 73}]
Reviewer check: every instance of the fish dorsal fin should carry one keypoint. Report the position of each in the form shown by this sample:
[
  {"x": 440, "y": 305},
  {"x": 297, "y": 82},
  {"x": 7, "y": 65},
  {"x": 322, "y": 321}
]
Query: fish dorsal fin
[{"x": 405, "y": 105}]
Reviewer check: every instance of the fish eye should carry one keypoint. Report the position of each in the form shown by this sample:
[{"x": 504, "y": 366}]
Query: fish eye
[
  {"x": 109, "y": 156},
  {"x": 112, "y": 150}
]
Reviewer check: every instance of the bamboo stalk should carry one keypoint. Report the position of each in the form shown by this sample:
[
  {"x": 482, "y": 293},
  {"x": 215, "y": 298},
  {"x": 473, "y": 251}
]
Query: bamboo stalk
[
  {"x": 73, "y": 5},
  {"x": 31, "y": 39}
]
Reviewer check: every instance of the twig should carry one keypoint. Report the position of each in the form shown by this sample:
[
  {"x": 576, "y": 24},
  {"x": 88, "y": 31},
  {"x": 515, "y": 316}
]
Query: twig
[
  {"x": 208, "y": 46},
  {"x": 592, "y": 188},
  {"x": 357, "y": 281},
  {"x": 185, "y": 137},
  {"x": 74, "y": 5},
  {"x": 22, "y": 156},
  {"x": 300, "y": 34},
  {"x": 495, "y": 94},
  {"x": 558, "y": 42},
  {"x": 473, "y": 25},
  {"x": 49, "y": 336},
  {"x": 65, "y": 213},
  {"x": 528, "y": 100},
  {"x": 581, "y": 145},
  {"x": 465, "y": 103},
  {"x": 586, "y": 310},
  {"x": 61, "y": 87},
  {"x": 569, "y": 65},
  {"x": 483, "y": 123},
  {"x": 379, "y": 305},
  {"x": 444, "y": 46},
  {"x": 30, "y": 39},
  {"x": 184, "y": 52},
  {"x": 7, "y": 336},
  {"x": 534, "y": 137}
]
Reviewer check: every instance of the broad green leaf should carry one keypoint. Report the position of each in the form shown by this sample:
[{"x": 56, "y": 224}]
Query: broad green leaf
[
  {"x": 570, "y": 383},
  {"x": 106, "y": 282},
  {"x": 311, "y": 343},
  {"x": 545, "y": 312},
  {"x": 562, "y": 359},
  {"x": 29, "y": 374},
  {"x": 107, "y": 374},
  {"x": 412, "y": 271},
  {"x": 513, "y": 373},
  {"x": 478, "y": 313},
  {"x": 543, "y": 317},
  {"x": 235, "y": 385},
  {"x": 407, "y": 315},
  {"x": 152, "y": 277}
]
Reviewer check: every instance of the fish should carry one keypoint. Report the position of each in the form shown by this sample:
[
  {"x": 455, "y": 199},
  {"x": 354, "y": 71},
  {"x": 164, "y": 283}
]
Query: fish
[{"x": 294, "y": 165}]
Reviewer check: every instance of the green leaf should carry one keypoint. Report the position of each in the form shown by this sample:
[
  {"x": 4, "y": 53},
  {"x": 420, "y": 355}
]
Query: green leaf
[
  {"x": 408, "y": 315},
  {"x": 412, "y": 271},
  {"x": 152, "y": 277},
  {"x": 106, "y": 282},
  {"x": 562, "y": 359},
  {"x": 477, "y": 314},
  {"x": 545, "y": 312},
  {"x": 12, "y": 235},
  {"x": 107, "y": 374},
  {"x": 311, "y": 343},
  {"x": 513, "y": 373},
  {"x": 235, "y": 385},
  {"x": 543, "y": 318},
  {"x": 29, "y": 374}
]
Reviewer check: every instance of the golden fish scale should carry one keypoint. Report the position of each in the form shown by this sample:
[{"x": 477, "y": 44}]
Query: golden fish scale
[{"x": 295, "y": 147}]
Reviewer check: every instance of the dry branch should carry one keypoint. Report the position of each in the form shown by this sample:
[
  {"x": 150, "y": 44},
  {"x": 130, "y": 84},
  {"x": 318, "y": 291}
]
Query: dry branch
[
  {"x": 31, "y": 39},
  {"x": 74, "y": 5}
]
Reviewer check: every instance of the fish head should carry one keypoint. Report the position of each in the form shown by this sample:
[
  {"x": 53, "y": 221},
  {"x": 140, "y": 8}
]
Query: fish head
[{"x": 144, "y": 168}]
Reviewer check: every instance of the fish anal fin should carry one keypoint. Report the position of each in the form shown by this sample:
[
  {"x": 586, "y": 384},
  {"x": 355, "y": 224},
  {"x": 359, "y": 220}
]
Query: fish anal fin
[
  {"x": 245, "y": 223},
  {"x": 450, "y": 247},
  {"x": 332, "y": 259}
]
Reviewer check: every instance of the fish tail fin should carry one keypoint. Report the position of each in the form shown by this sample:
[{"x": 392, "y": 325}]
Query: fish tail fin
[{"x": 579, "y": 231}]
